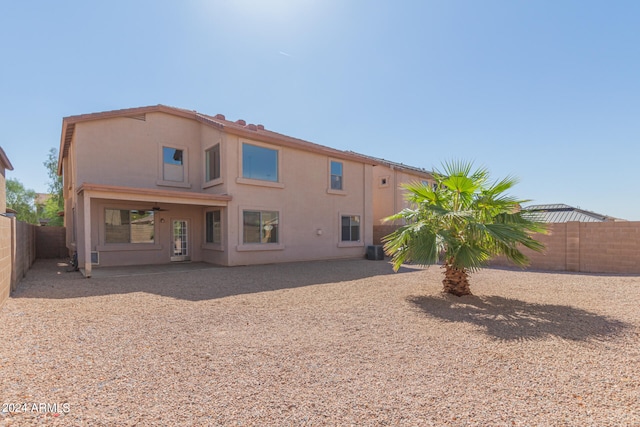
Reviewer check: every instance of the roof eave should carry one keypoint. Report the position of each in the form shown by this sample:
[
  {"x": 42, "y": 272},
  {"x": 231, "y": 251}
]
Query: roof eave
[
  {"x": 287, "y": 141},
  {"x": 68, "y": 127},
  {"x": 5, "y": 160}
]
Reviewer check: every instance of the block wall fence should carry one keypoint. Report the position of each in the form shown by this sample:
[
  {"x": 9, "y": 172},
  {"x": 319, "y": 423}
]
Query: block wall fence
[
  {"x": 50, "y": 243},
  {"x": 586, "y": 247},
  {"x": 5, "y": 257},
  {"x": 17, "y": 253}
]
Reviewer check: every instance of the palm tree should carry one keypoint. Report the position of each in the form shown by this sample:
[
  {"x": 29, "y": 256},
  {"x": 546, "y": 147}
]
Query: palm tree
[{"x": 463, "y": 220}]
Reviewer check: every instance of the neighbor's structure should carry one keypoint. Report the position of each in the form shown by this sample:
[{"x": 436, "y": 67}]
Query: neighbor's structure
[
  {"x": 5, "y": 165},
  {"x": 561, "y": 213},
  {"x": 158, "y": 184}
]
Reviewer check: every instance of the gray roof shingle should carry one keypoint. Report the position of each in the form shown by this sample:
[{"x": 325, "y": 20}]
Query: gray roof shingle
[{"x": 559, "y": 212}]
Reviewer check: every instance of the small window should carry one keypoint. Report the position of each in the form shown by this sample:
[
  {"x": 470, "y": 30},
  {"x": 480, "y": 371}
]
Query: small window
[
  {"x": 260, "y": 227},
  {"x": 428, "y": 184},
  {"x": 172, "y": 156},
  {"x": 212, "y": 163},
  {"x": 336, "y": 175},
  {"x": 173, "y": 166},
  {"x": 213, "y": 227},
  {"x": 259, "y": 163},
  {"x": 129, "y": 226},
  {"x": 350, "y": 228}
]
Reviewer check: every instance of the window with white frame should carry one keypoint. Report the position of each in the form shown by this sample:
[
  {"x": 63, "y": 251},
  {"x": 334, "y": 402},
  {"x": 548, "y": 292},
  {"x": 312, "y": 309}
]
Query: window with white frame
[
  {"x": 260, "y": 226},
  {"x": 212, "y": 163},
  {"x": 129, "y": 226},
  {"x": 172, "y": 164},
  {"x": 259, "y": 162},
  {"x": 213, "y": 226},
  {"x": 336, "y": 175},
  {"x": 350, "y": 228}
]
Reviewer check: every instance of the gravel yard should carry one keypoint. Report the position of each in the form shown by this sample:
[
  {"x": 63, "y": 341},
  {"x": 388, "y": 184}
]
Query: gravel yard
[{"x": 324, "y": 343}]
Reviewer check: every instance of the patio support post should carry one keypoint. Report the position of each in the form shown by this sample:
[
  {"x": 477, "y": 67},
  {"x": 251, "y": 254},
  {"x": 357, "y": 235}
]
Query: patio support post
[{"x": 87, "y": 234}]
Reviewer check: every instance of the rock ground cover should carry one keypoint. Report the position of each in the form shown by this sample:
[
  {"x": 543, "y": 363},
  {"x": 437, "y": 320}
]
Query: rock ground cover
[{"x": 320, "y": 343}]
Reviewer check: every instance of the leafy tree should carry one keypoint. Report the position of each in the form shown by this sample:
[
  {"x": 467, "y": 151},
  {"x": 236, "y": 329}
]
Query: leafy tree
[
  {"x": 464, "y": 220},
  {"x": 22, "y": 201},
  {"x": 55, "y": 203},
  {"x": 51, "y": 210}
]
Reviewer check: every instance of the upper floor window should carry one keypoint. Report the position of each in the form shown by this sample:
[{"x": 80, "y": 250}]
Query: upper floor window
[
  {"x": 336, "y": 175},
  {"x": 212, "y": 163},
  {"x": 172, "y": 164},
  {"x": 350, "y": 228},
  {"x": 259, "y": 163},
  {"x": 433, "y": 186},
  {"x": 129, "y": 226}
]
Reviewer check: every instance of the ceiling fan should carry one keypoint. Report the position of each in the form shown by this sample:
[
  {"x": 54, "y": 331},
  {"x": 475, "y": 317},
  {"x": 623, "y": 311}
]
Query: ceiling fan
[{"x": 155, "y": 208}]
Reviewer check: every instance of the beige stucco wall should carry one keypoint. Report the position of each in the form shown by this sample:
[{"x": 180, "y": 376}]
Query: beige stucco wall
[
  {"x": 309, "y": 211},
  {"x": 70, "y": 198},
  {"x": 389, "y": 197},
  {"x": 127, "y": 152},
  {"x": 3, "y": 190}
]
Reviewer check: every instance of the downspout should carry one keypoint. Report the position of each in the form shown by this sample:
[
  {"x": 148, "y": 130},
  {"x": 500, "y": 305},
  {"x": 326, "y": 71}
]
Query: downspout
[
  {"x": 364, "y": 201},
  {"x": 87, "y": 234}
]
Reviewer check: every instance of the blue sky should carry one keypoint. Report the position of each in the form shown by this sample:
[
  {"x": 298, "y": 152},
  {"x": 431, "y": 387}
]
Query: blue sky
[{"x": 548, "y": 91}]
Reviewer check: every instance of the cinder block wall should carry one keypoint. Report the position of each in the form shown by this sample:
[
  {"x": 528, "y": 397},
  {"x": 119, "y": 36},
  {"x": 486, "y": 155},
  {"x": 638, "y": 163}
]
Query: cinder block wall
[
  {"x": 50, "y": 242},
  {"x": 588, "y": 247},
  {"x": 379, "y": 231},
  {"x": 611, "y": 247},
  {"x": 5, "y": 258},
  {"x": 554, "y": 258},
  {"x": 17, "y": 253},
  {"x": 24, "y": 251}
]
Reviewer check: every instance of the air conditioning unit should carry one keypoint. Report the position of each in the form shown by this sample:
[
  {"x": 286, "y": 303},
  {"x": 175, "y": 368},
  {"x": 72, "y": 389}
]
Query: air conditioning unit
[{"x": 375, "y": 252}]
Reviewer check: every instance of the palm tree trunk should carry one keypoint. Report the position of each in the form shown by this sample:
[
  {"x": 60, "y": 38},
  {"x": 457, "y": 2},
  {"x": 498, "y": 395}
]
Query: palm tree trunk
[{"x": 456, "y": 280}]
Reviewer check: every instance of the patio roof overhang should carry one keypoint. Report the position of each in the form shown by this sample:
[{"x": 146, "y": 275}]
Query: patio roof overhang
[{"x": 99, "y": 191}]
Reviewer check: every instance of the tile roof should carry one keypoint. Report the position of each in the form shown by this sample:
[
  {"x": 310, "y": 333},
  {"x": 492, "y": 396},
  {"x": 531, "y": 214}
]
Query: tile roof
[{"x": 559, "y": 212}]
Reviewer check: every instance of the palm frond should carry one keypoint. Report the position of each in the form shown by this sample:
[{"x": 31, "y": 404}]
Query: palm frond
[
  {"x": 412, "y": 242},
  {"x": 504, "y": 184},
  {"x": 465, "y": 217}
]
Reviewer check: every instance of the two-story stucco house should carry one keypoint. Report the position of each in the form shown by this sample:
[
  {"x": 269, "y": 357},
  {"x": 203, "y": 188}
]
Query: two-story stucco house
[{"x": 159, "y": 184}]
